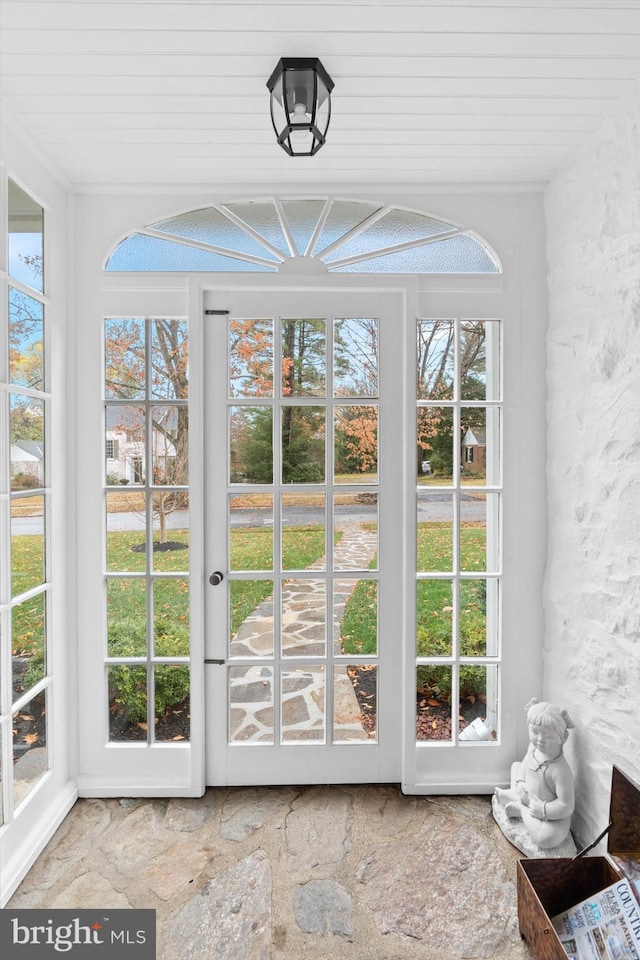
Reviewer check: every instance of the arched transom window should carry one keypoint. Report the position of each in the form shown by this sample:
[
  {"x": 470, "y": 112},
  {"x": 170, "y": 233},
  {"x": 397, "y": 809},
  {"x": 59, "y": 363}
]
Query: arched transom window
[{"x": 339, "y": 236}]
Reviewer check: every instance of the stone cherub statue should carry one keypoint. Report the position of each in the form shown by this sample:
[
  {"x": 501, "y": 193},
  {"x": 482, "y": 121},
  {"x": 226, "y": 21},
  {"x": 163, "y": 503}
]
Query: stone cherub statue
[{"x": 541, "y": 796}]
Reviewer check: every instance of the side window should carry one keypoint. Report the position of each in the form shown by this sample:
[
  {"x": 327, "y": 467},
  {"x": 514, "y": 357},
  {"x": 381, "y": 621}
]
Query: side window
[
  {"x": 146, "y": 476},
  {"x": 459, "y": 536},
  {"x": 25, "y": 581}
]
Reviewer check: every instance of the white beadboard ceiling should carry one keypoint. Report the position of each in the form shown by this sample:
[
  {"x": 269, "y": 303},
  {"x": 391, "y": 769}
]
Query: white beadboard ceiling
[{"x": 148, "y": 92}]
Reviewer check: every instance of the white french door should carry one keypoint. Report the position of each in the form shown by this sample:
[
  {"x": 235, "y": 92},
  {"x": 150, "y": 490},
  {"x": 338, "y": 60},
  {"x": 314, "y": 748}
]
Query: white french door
[
  {"x": 359, "y": 620},
  {"x": 303, "y": 413}
]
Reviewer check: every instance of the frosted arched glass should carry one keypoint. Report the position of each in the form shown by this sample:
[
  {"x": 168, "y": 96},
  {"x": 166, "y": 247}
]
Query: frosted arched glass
[
  {"x": 343, "y": 217},
  {"x": 264, "y": 219},
  {"x": 141, "y": 254},
  {"x": 257, "y": 236},
  {"x": 302, "y": 219},
  {"x": 397, "y": 226},
  {"x": 210, "y": 226},
  {"x": 460, "y": 254}
]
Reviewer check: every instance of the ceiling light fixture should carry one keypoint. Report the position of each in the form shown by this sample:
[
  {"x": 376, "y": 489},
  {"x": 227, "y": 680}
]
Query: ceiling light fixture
[{"x": 300, "y": 104}]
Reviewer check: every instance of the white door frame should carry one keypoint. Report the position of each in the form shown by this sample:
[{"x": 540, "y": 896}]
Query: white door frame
[{"x": 379, "y": 762}]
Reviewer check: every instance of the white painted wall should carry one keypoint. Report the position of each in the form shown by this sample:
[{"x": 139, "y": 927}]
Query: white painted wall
[{"x": 592, "y": 595}]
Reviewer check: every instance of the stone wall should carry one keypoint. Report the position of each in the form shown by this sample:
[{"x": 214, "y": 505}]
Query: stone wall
[{"x": 592, "y": 591}]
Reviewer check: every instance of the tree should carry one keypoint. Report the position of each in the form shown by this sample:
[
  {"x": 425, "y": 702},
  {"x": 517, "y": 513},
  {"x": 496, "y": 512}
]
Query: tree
[
  {"x": 436, "y": 368},
  {"x": 303, "y": 374},
  {"x": 251, "y": 358},
  {"x": 355, "y": 370},
  {"x": 356, "y": 439},
  {"x": 355, "y": 357},
  {"x": 150, "y": 360},
  {"x": 303, "y": 444},
  {"x": 252, "y": 438}
]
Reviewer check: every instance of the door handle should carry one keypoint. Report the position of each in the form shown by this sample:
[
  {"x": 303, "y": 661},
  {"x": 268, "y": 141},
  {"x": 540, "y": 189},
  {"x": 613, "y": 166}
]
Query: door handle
[{"x": 216, "y": 578}]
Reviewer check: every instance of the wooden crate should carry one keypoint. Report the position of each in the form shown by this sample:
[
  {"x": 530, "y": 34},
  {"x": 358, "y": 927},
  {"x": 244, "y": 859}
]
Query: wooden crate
[{"x": 547, "y": 886}]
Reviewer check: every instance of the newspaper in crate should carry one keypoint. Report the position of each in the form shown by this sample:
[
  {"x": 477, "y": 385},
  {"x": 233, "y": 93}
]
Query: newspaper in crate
[
  {"x": 630, "y": 867},
  {"x": 606, "y": 926}
]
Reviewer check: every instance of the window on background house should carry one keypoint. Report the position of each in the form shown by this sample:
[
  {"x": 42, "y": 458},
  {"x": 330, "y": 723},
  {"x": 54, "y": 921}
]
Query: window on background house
[
  {"x": 147, "y": 523},
  {"x": 25, "y": 501}
]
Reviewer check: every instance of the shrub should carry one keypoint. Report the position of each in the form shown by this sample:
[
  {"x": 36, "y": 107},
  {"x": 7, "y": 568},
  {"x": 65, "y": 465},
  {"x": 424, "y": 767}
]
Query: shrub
[
  {"x": 24, "y": 481},
  {"x": 127, "y": 637},
  {"x": 436, "y": 681},
  {"x": 128, "y": 689}
]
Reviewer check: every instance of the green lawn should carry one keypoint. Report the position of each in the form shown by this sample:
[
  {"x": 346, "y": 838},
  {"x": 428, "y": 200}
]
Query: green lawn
[
  {"x": 253, "y": 550},
  {"x": 359, "y": 629},
  {"x": 127, "y": 599},
  {"x": 434, "y": 599}
]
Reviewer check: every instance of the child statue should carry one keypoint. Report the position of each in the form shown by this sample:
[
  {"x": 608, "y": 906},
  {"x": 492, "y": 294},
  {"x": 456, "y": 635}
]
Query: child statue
[{"x": 541, "y": 794}]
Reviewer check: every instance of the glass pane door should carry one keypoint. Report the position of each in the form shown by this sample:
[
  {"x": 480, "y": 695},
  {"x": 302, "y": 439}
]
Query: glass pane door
[{"x": 303, "y": 508}]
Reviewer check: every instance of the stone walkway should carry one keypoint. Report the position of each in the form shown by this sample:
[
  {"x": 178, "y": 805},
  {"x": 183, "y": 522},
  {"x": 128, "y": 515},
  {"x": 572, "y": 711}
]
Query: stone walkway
[
  {"x": 329, "y": 873},
  {"x": 304, "y": 634}
]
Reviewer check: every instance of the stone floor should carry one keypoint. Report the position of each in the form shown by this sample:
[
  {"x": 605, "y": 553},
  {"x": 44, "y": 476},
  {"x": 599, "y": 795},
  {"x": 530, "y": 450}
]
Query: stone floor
[{"x": 285, "y": 873}]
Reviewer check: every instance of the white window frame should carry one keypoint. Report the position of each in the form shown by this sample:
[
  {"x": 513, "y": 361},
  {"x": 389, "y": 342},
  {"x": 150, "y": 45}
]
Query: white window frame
[{"x": 29, "y": 826}]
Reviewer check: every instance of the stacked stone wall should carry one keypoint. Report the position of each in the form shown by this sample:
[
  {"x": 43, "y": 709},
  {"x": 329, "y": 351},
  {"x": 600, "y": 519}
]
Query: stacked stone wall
[{"x": 592, "y": 590}]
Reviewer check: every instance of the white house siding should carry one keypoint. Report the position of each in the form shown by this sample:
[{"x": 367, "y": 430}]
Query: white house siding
[
  {"x": 23, "y": 462},
  {"x": 592, "y": 594}
]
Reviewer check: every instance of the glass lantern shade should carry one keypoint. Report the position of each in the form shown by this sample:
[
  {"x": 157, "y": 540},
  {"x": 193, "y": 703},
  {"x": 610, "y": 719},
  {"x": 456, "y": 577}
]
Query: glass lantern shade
[{"x": 300, "y": 105}]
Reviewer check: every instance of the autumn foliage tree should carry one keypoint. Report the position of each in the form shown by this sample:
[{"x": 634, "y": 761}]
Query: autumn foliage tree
[
  {"x": 303, "y": 375},
  {"x": 26, "y": 373},
  {"x": 150, "y": 360}
]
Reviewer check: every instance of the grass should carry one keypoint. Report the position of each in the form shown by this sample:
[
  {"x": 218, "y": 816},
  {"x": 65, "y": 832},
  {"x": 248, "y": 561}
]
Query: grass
[
  {"x": 253, "y": 550},
  {"x": 126, "y": 597},
  {"x": 27, "y": 562},
  {"x": 359, "y": 629},
  {"x": 434, "y": 607},
  {"x": 122, "y": 557}
]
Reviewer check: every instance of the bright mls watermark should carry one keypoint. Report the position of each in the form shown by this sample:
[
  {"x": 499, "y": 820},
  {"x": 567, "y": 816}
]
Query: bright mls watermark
[{"x": 79, "y": 934}]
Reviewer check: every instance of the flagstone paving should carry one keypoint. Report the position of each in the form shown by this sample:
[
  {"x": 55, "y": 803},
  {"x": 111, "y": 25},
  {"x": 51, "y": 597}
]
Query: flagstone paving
[
  {"x": 304, "y": 634},
  {"x": 284, "y": 873}
]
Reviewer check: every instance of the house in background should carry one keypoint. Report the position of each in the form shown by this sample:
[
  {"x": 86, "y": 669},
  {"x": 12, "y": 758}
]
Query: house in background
[
  {"x": 125, "y": 445},
  {"x": 27, "y": 464},
  {"x": 474, "y": 451}
]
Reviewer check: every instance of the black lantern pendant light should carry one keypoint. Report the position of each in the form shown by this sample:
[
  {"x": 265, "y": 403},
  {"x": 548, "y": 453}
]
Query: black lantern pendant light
[{"x": 300, "y": 104}]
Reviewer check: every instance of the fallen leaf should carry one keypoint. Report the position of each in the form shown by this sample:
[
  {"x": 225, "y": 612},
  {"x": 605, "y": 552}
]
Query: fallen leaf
[{"x": 30, "y": 738}]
